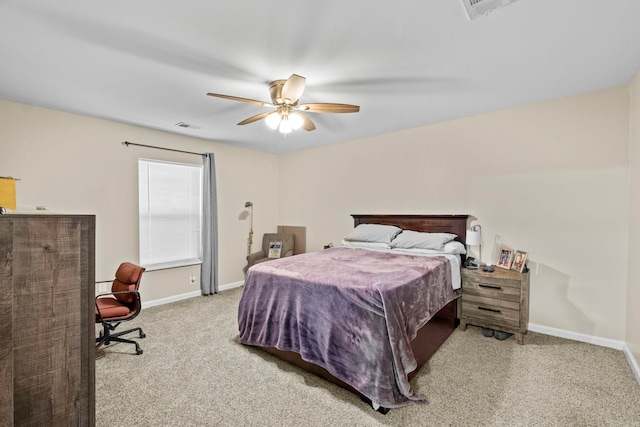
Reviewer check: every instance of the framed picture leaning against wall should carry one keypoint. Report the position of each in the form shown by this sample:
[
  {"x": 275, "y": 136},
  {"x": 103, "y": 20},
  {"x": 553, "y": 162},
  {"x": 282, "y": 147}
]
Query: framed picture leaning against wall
[
  {"x": 519, "y": 261},
  {"x": 505, "y": 258}
]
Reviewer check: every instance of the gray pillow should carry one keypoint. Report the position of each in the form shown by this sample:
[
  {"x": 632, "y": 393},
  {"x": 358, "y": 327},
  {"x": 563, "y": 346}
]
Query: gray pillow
[
  {"x": 374, "y": 233},
  {"x": 415, "y": 240}
]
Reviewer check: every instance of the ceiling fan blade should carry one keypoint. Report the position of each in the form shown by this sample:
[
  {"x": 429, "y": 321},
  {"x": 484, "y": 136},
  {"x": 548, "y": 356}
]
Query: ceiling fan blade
[
  {"x": 307, "y": 124},
  {"x": 255, "y": 118},
  {"x": 237, "y": 98},
  {"x": 293, "y": 88},
  {"x": 329, "y": 108}
]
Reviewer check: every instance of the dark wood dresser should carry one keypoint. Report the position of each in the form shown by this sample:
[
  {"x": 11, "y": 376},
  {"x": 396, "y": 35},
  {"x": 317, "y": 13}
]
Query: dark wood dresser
[
  {"x": 47, "y": 333},
  {"x": 497, "y": 300}
]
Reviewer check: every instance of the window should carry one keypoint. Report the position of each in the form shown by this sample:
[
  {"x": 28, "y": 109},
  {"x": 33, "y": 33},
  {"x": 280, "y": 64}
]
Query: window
[{"x": 170, "y": 214}]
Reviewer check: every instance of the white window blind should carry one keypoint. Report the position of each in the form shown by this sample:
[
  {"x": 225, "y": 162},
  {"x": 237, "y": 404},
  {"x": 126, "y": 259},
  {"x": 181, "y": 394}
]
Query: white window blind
[{"x": 170, "y": 214}]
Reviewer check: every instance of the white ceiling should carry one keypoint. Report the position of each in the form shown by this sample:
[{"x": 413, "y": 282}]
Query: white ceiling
[{"x": 406, "y": 63}]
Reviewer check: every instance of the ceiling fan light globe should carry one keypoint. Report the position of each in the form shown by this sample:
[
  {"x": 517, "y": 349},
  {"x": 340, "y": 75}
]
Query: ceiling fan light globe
[
  {"x": 296, "y": 120},
  {"x": 285, "y": 127},
  {"x": 273, "y": 120}
]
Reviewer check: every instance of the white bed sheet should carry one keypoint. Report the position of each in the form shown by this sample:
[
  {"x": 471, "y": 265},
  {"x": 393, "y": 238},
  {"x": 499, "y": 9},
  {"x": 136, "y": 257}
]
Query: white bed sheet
[{"x": 454, "y": 260}]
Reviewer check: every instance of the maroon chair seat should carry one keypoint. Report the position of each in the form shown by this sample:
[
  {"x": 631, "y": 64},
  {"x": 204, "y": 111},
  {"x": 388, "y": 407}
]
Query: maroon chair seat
[{"x": 110, "y": 308}]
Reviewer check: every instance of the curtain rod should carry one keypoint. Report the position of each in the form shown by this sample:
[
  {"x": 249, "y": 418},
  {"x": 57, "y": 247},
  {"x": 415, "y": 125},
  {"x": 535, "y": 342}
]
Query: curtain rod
[{"x": 127, "y": 143}]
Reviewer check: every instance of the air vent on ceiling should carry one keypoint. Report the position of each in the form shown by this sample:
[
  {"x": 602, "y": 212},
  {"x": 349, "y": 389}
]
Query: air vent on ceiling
[
  {"x": 478, "y": 8},
  {"x": 186, "y": 125}
]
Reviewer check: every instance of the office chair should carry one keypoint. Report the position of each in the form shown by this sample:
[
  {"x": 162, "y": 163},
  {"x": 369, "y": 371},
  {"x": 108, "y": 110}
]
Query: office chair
[{"x": 120, "y": 305}]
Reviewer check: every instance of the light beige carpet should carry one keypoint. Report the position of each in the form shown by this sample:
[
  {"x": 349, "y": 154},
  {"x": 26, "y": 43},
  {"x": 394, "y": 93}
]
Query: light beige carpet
[{"x": 194, "y": 372}]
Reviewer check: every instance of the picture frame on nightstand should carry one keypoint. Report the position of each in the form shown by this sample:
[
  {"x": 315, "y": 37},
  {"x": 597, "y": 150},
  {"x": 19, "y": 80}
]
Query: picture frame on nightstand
[
  {"x": 519, "y": 261},
  {"x": 505, "y": 258}
]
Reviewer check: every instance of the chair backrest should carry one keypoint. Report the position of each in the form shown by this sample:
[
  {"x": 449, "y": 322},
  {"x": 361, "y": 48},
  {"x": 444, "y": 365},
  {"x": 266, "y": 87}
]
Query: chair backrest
[
  {"x": 127, "y": 278},
  {"x": 287, "y": 240}
]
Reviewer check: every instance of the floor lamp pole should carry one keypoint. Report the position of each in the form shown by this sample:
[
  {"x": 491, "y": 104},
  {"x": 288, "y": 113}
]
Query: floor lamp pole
[{"x": 250, "y": 238}]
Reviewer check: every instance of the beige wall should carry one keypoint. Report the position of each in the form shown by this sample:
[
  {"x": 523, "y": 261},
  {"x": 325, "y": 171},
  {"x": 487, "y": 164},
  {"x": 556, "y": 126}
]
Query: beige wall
[
  {"x": 633, "y": 289},
  {"x": 549, "y": 178},
  {"x": 75, "y": 164}
]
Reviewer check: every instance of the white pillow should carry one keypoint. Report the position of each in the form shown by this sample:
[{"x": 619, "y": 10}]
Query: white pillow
[
  {"x": 413, "y": 239},
  {"x": 450, "y": 248},
  {"x": 373, "y": 233},
  {"x": 454, "y": 247},
  {"x": 354, "y": 244}
]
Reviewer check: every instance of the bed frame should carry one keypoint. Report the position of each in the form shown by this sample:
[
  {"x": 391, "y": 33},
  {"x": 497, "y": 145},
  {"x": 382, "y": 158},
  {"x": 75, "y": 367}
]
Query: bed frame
[{"x": 432, "y": 335}]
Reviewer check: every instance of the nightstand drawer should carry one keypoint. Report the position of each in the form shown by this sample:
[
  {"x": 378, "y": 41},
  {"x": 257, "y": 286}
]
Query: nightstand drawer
[
  {"x": 501, "y": 289},
  {"x": 482, "y": 300},
  {"x": 503, "y": 314}
]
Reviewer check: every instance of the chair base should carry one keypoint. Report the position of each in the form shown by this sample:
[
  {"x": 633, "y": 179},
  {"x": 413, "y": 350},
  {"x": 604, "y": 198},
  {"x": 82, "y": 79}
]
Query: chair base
[{"x": 106, "y": 337}]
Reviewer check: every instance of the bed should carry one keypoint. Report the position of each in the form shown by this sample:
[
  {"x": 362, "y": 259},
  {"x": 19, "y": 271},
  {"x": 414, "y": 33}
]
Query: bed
[{"x": 366, "y": 320}]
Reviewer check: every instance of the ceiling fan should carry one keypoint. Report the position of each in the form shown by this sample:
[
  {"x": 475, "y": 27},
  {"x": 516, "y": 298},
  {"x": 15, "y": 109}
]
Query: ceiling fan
[{"x": 287, "y": 115}]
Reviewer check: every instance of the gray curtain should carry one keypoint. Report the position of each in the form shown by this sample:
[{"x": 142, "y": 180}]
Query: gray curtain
[{"x": 209, "y": 267}]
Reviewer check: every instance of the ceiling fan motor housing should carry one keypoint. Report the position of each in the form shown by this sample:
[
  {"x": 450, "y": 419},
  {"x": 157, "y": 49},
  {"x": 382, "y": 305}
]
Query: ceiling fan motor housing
[{"x": 275, "y": 90}]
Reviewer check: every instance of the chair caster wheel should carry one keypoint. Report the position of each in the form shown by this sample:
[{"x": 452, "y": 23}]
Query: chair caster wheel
[
  {"x": 139, "y": 351},
  {"x": 142, "y": 335}
]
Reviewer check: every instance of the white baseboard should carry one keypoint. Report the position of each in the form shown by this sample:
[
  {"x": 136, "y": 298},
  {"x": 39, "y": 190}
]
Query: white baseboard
[
  {"x": 231, "y": 286},
  {"x": 632, "y": 362},
  {"x": 175, "y": 298},
  {"x": 604, "y": 342}
]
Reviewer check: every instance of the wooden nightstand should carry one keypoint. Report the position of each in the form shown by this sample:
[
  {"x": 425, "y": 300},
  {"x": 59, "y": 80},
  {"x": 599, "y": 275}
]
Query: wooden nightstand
[{"x": 498, "y": 300}]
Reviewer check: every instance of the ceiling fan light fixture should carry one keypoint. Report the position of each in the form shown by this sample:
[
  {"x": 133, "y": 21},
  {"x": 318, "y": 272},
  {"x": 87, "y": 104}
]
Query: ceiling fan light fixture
[
  {"x": 296, "y": 120},
  {"x": 273, "y": 120},
  {"x": 285, "y": 126}
]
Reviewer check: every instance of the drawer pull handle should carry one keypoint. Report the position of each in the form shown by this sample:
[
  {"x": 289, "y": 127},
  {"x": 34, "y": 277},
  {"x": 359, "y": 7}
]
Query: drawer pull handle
[
  {"x": 497, "y": 288},
  {"x": 493, "y": 310}
]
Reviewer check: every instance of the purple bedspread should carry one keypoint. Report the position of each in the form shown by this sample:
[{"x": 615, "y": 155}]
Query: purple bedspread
[{"x": 352, "y": 311}]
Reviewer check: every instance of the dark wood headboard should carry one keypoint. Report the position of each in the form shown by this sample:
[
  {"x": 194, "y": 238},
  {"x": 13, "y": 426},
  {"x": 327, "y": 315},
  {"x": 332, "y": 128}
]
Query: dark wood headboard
[{"x": 456, "y": 224}]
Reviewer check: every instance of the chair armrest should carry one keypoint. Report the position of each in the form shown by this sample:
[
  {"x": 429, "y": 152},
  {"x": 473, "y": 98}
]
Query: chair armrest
[
  {"x": 251, "y": 259},
  {"x": 134, "y": 291}
]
